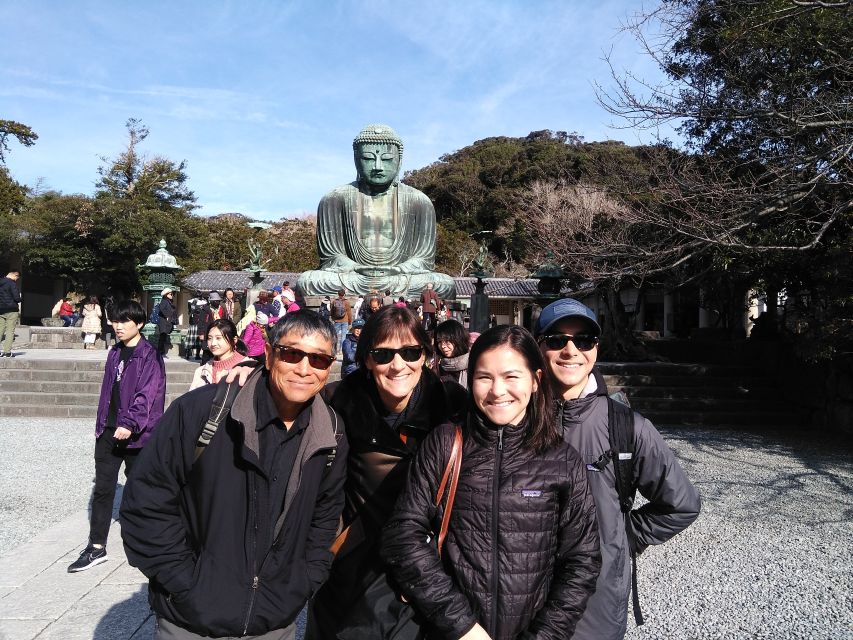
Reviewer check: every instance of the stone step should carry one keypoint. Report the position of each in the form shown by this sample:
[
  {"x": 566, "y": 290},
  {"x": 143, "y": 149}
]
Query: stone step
[
  {"x": 173, "y": 386},
  {"x": 43, "y": 364},
  {"x": 59, "y": 399},
  {"x": 677, "y": 369},
  {"x": 637, "y": 380},
  {"x": 648, "y": 406},
  {"x": 769, "y": 419},
  {"x": 720, "y": 392},
  {"x": 81, "y": 377},
  {"x": 48, "y": 411}
]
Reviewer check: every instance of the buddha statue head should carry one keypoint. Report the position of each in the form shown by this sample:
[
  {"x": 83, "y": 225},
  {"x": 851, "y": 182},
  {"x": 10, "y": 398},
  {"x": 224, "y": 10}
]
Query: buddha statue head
[{"x": 377, "y": 150}]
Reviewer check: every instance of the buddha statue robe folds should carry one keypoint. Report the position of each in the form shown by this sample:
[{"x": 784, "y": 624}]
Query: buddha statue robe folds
[{"x": 376, "y": 233}]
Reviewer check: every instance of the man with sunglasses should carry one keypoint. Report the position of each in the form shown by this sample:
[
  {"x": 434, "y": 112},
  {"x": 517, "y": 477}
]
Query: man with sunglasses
[
  {"x": 568, "y": 334},
  {"x": 234, "y": 537}
]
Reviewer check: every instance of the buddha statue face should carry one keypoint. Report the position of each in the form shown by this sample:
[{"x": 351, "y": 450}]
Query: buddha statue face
[{"x": 377, "y": 164}]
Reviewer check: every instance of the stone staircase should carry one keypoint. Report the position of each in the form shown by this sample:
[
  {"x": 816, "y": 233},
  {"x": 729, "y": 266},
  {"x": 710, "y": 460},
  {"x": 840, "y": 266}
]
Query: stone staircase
[
  {"x": 701, "y": 394},
  {"x": 68, "y": 388},
  {"x": 65, "y": 388}
]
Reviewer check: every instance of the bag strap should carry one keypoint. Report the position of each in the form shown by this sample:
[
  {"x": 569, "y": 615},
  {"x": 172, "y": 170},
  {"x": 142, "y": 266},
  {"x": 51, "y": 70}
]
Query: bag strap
[
  {"x": 219, "y": 410},
  {"x": 451, "y": 474},
  {"x": 620, "y": 427}
]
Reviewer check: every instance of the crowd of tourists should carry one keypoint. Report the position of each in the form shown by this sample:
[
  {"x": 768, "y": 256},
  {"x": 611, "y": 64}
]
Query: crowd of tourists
[{"x": 449, "y": 485}]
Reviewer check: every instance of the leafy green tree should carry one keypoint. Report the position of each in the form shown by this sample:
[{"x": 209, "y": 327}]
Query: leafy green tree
[
  {"x": 760, "y": 90},
  {"x": 147, "y": 182},
  {"x": 21, "y": 132},
  {"x": 295, "y": 245}
]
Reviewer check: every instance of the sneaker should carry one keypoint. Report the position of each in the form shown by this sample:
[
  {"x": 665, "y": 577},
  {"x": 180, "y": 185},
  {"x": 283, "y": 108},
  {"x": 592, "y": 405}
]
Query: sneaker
[{"x": 89, "y": 557}]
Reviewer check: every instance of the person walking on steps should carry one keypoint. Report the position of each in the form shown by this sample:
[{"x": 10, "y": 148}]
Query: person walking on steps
[
  {"x": 133, "y": 394},
  {"x": 10, "y": 301}
]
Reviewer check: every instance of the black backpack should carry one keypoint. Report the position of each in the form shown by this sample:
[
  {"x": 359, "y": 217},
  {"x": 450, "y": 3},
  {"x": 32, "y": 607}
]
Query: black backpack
[
  {"x": 620, "y": 432},
  {"x": 339, "y": 309}
]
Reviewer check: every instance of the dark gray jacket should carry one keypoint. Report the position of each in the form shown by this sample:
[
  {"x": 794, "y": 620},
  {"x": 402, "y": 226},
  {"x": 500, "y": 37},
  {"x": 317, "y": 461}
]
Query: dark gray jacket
[{"x": 673, "y": 504}]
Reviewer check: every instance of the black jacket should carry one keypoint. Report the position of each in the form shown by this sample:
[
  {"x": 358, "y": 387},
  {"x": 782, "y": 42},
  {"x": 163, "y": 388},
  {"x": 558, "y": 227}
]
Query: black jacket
[
  {"x": 192, "y": 529},
  {"x": 9, "y": 295},
  {"x": 521, "y": 556},
  {"x": 168, "y": 317},
  {"x": 356, "y": 596}
]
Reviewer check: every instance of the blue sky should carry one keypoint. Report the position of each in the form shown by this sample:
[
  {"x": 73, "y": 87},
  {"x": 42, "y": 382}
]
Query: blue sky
[{"x": 263, "y": 99}]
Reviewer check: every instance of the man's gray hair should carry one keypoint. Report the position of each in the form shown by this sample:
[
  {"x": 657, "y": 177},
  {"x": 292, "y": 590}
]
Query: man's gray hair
[{"x": 303, "y": 323}]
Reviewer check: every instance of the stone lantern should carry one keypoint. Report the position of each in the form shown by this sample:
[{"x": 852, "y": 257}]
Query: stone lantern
[
  {"x": 550, "y": 276},
  {"x": 160, "y": 269}
]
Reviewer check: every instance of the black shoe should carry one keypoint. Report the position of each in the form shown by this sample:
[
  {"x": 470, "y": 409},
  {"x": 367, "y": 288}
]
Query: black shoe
[{"x": 88, "y": 559}]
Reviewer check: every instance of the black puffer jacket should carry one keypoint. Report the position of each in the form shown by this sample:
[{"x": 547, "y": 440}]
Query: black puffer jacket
[{"x": 521, "y": 556}]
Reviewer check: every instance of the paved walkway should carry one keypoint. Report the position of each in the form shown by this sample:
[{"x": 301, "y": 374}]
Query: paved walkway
[{"x": 40, "y": 599}]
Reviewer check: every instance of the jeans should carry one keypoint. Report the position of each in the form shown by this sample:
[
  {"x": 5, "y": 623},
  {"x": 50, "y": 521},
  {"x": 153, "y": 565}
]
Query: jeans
[
  {"x": 8, "y": 322},
  {"x": 109, "y": 454},
  {"x": 340, "y": 329},
  {"x": 67, "y": 321}
]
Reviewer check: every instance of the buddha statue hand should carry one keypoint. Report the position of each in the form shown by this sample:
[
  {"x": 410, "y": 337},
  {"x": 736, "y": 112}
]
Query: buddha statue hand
[{"x": 374, "y": 272}]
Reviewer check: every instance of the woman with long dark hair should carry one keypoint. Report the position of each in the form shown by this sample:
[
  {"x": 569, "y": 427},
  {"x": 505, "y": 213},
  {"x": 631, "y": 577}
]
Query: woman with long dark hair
[
  {"x": 389, "y": 404},
  {"x": 521, "y": 555},
  {"x": 452, "y": 343},
  {"x": 227, "y": 349}
]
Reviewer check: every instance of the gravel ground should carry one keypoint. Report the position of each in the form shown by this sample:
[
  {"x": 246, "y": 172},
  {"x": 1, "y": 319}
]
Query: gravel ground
[
  {"x": 771, "y": 555},
  {"x": 46, "y": 473}
]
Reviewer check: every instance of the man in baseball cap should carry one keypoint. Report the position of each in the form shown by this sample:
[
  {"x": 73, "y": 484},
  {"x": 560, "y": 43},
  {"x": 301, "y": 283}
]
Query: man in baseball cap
[{"x": 568, "y": 334}]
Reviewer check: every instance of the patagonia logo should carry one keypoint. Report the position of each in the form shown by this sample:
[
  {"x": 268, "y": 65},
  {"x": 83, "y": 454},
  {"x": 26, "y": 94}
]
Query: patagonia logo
[
  {"x": 531, "y": 493},
  {"x": 626, "y": 456}
]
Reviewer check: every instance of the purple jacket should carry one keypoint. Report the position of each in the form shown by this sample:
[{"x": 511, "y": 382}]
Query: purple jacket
[{"x": 142, "y": 392}]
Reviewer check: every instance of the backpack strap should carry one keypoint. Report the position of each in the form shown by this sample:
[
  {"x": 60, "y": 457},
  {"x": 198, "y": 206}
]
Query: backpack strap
[
  {"x": 221, "y": 407},
  {"x": 620, "y": 428}
]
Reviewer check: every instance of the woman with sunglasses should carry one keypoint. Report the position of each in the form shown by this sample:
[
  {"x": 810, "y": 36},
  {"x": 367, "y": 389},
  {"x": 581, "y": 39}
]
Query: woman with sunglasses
[
  {"x": 389, "y": 404},
  {"x": 521, "y": 555}
]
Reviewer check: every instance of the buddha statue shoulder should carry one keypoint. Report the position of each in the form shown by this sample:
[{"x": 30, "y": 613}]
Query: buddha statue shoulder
[{"x": 376, "y": 233}]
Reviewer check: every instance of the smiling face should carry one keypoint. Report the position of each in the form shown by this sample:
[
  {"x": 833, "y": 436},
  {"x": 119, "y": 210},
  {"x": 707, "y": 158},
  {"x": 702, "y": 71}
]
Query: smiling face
[
  {"x": 503, "y": 384},
  {"x": 218, "y": 344},
  {"x": 570, "y": 368},
  {"x": 396, "y": 380},
  {"x": 377, "y": 164},
  {"x": 292, "y": 385}
]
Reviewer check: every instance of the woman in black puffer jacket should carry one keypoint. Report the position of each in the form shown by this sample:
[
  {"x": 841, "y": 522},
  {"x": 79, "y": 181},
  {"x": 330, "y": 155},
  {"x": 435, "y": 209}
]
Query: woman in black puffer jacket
[{"x": 521, "y": 556}]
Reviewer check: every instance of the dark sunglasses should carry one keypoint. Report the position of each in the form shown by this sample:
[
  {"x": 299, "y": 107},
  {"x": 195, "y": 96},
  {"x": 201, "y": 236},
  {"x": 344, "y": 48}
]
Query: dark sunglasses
[
  {"x": 384, "y": 356},
  {"x": 295, "y": 356},
  {"x": 558, "y": 341}
]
